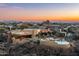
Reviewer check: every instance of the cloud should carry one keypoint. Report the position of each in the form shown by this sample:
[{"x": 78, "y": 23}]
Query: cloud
[
  {"x": 3, "y": 4},
  {"x": 16, "y": 7}
]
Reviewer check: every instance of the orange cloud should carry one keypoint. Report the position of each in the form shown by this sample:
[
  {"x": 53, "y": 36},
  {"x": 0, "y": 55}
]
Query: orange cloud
[
  {"x": 51, "y": 18},
  {"x": 39, "y": 15}
]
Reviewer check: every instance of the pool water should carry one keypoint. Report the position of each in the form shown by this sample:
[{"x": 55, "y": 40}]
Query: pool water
[{"x": 62, "y": 42}]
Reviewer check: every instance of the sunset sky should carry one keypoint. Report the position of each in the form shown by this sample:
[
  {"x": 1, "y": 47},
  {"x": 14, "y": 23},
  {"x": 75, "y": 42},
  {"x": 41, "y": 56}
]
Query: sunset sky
[{"x": 40, "y": 11}]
